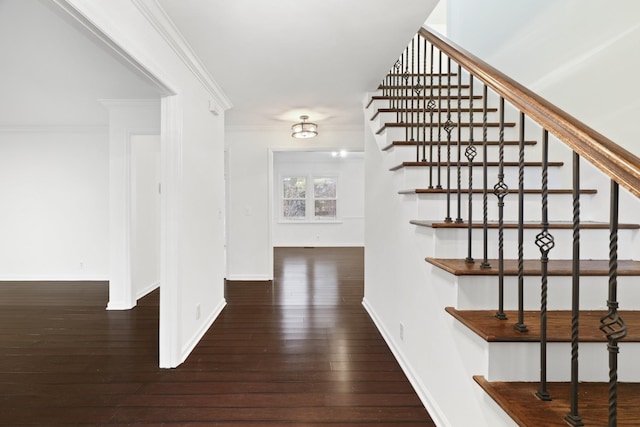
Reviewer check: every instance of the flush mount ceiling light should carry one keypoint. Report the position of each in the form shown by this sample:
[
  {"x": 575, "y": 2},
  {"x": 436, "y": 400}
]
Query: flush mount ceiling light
[{"x": 304, "y": 129}]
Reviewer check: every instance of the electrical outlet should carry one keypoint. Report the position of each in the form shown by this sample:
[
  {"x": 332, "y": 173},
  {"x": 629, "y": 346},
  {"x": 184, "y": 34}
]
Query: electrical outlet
[
  {"x": 401, "y": 331},
  {"x": 198, "y": 312}
]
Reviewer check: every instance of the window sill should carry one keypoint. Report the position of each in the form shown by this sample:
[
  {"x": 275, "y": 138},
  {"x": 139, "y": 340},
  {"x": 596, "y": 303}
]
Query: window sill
[{"x": 307, "y": 221}]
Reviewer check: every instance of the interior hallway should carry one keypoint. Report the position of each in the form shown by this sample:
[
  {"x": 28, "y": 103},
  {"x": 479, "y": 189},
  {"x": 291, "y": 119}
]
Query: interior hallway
[{"x": 300, "y": 351}]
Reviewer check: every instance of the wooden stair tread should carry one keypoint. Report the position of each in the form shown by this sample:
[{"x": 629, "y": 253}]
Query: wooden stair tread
[
  {"x": 454, "y": 86},
  {"x": 486, "y": 326},
  {"x": 476, "y": 164},
  {"x": 556, "y": 267},
  {"x": 517, "y": 399},
  {"x": 490, "y": 191},
  {"x": 420, "y": 98},
  {"x": 557, "y": 225},
  {"x": 435, "y": 143},
  {"x": 422, "y": 110},
  {"x": 441, "y": 124}
]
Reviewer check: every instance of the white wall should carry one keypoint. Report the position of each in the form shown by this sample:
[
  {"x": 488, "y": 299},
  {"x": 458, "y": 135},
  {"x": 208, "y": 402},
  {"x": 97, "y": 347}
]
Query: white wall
[
  {"x": 348, "y": 229},
  {"x": 578, "y": 54},
  {"x": 55, "y": 204},
  {"x": 250, "y": 153},
  {"x": 145, "y": 214},
  {"x": 192, "y": 153}
]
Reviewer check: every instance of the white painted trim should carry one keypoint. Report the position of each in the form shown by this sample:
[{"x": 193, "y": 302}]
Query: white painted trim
[
  {"x": 133, "y": 103},
  {"x": 195, "y": 339},
  {"x": 286, "y": 128},
  {"x": 54, "y": 278},
  {"x": 147, "y": 290},
  {"x": 249, "y": 277},
  {"x": 55, "y": 129},
  {"x": 171, "y": 215},
  {"x": 158, "y": 18},
  {"x": 120, "y": 305},
  {"x": 437, "y": 415},
  {"x": 270, "y": 205},
  {"x": 108, "y": 40}
]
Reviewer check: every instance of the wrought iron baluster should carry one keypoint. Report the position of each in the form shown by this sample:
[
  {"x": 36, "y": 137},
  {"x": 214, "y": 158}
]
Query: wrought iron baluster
[
  {"x": 439, "y": 169},
  {"x": 485, "y": 185},
  {"x": 411, "y": 90},
  {"x": 459, "y": 150},
  {"x": 501, "y": 190},
  {"x": 470, "y": 154},
  {"x": 520, "y": 326},
  {"x": 432, "y": 105},
  {"x": 573, "y": 417},
  {"x": 448, "y": 127},
  {"x": 424, "y": 103},
  {"x": 612, "y": 324},
  {"x": 395, "y": 94},
  {"x": 544, "y": 241}
]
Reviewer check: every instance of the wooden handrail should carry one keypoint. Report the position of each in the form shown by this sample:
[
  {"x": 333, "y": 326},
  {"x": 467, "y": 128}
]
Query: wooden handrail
[{"x": 619, "y": 164}]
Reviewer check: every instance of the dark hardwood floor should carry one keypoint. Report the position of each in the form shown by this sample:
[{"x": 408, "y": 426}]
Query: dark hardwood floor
[{"x": 300, "y": 351}]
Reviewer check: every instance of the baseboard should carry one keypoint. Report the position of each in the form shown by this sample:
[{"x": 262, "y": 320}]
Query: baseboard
[
  {"x": 53, "y": 278},
  {"x": 120, "y": 305},
  {"x": 144, "y": 292},
  {"x": 434, "y": 410},
  {"x": 249, "y": 278},
  {"x": 195, "y": 339}
]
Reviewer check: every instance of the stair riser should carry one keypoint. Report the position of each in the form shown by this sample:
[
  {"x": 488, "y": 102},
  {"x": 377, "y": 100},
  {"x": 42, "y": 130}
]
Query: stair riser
[
  {"x": 432, "y": 207},
  {"x": 418, "y": 117},
  {"x": 481, "y": 292},
  {"x": 594, "y": 244},
  {"x": 408, "y": 153},
  {"x": 521, "y": 362},
  {"x": 401, "y": 134},
  {"x": 418, "y": 177}
]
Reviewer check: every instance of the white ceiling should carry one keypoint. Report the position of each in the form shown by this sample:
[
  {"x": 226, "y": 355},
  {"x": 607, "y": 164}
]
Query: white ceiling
[
  {"x": 278, "y": 59},
  {"x": 275, "y": 60}
]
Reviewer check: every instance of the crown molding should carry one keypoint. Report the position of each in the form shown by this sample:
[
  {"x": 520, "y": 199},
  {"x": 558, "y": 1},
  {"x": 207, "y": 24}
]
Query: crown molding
[
  {"x": 159, "y": 19},
  {"x": 130, "y": 103},
  {"x": 55, "y": 129}
]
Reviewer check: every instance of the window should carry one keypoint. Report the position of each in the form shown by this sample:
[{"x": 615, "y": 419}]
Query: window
[
  {"x": 294, "y": 191},
  {"x": 306, "y": 198},
  {"x": 324, "y": 198}
]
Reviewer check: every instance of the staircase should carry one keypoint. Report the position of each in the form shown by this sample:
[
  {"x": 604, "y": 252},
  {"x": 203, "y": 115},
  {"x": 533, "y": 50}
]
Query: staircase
[{"x": 509, "y": 314}]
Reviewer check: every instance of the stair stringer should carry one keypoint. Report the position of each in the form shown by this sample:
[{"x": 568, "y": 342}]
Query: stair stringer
[{"x": 400, "y": 288}]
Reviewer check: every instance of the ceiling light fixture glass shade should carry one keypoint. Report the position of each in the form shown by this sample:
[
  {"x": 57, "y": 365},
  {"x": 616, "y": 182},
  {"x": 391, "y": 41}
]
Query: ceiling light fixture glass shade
[{"x": 304, "y": 129}]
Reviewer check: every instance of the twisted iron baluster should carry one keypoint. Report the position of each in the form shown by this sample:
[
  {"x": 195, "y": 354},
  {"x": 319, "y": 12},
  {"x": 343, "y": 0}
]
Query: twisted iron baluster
[
  {"x": 431, "y": 105},
  {"x": 544, "y": 240},
  {"x": 520, "y": 326},
  {"x": 411, "y": 69},
  {"x": 424, "y": 103},
  {"x": 448, "y": 127},
  {"x": 458, "y": 169},
  {"x": 470, "y": 153},
  {"x": 485, "y": 185},
  {"x": 395, "y": 95},
  {"x": 439, "y": 184},
  {"x": 405, "y": 93},
  {"x": 611, "y": 324},
  {"x": 501, "y": 190},
  {"x": 573, "y": 417}
]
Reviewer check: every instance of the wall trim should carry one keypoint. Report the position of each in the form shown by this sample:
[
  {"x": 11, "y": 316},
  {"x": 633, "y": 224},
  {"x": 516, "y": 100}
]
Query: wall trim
[
  {"x": 195, "y": 339},
  {"x": 158, "y": 18},
  {"x": 437, "y": 415},
  {"x": 54, "y": 278},
  {"x": 249, "y": 278},
  {"x": 144, "y": 292},
  {"x": 55, "y": 129}
]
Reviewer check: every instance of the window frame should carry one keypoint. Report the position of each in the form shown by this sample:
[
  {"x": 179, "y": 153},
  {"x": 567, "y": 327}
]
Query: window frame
[{"x": 310, "y": 199}]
